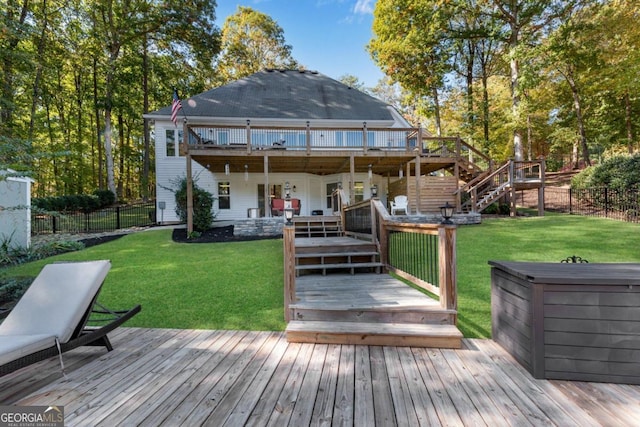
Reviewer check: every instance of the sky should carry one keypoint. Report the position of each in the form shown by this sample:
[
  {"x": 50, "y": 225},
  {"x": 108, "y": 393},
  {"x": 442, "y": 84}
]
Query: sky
[{"x": 328, "y": 36}]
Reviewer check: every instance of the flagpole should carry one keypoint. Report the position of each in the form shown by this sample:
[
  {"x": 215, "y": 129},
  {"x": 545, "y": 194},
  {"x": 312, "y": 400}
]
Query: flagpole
[{"x": 185, "y": 136}]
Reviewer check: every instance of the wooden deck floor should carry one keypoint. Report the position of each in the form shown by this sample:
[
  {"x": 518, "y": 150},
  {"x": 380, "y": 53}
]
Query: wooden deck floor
[
  {"x": 360, "y": 291},
  {"x": 198, "y": 377}
]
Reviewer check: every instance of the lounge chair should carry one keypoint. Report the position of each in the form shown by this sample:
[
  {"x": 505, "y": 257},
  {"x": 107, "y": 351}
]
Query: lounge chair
[
  {"x": 51, "y": 317},
  {"x": 400, "y": 203}
]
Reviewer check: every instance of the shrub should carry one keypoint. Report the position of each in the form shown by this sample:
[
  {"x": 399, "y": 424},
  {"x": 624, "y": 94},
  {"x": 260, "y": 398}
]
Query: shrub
[
  {"x": 619, "y": 173},
  {"x": 105, "y": 198},
  {"x": 12, "y": 288},
  {"x": 68, "y": 203},
  {"x": 202, "y": 205}
]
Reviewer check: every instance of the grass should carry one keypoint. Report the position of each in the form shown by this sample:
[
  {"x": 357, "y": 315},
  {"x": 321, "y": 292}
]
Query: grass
[
  {"x": 546, "y": 239},
  {"x": 239, "y": 285},
  {"x": 234, "y": 285}
]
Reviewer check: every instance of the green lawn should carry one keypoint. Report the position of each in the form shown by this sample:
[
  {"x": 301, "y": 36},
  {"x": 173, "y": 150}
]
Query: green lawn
[{"x": 239, "y": 285}]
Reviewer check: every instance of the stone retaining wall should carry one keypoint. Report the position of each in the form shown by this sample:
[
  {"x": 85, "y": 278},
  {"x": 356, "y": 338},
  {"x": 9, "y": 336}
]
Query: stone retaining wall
[
  {"x": 458, "y": 219},
  {"x": 262, "y": 227},
  {"x": 269, "y": 227}
]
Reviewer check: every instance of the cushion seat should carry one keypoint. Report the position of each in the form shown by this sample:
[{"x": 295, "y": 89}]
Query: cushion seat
[{"x": 13, "y": 347}]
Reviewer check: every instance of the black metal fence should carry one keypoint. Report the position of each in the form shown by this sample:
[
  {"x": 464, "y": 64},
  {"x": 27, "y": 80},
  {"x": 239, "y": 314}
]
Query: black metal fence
[
  {"x": 601, "y": 202},
  {"x": 109, "y": 219}
]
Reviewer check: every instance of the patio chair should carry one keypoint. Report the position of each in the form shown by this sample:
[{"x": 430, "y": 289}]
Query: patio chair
[
  {"x": 51, "y": 317},
  {"x": 400, "y": 203}
]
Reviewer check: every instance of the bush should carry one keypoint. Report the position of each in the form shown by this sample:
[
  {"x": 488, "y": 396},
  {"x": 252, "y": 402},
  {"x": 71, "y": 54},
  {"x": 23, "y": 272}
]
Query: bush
[
  {"x": 497, "y": 209},
  {"x": 202, "y": 205},
  {"x": 68, "y": 203},
  {"x": 16, "y": 256},
  {"x": 105, "y": 198},
  {"x": 619, "y": 173},
  {"x": 12, "y": 288}
]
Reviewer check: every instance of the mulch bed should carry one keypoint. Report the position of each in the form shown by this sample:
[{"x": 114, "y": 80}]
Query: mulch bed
[{"x": 215, "y": 235}]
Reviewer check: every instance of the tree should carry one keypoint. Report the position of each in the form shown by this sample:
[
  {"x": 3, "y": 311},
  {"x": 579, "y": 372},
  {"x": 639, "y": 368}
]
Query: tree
[
  {"x": 526, "y": 20},
  {"x": 123, "y": 24},
  {"x": 251, "y": 41},
  {"x": 409, "y": 47}
]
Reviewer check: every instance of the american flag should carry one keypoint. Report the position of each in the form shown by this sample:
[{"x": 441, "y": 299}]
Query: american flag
[{"x": 176, "y": 105}]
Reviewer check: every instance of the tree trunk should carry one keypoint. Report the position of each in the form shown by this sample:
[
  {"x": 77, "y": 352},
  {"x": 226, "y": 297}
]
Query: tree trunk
[
  {"x": 98, "y": 129},
  {"x": 628, "y": 121},
  {"x": 485, "y": 110},
  {"x": 469, "y": 78},
  {"x": 108, "y": 135},
  {"x": 515, "y": 100},
  {"x": 436, "y": 104},
  {"x": 579, "y": 118},
  {"x": 40, "y": 60},
  {"x": 121, "y": 156},
  {"x": 529, "y": 138},
  {"x": 146, "y": 134}
]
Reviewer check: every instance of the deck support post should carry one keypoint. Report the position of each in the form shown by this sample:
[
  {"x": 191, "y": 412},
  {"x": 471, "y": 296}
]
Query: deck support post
[
  {"x": 512, "y": 189},
  {"x": 289, "y": 242},
  {"x": 418, "y": 186},
  {"x": 447, "y": 266},
  {"x": 267, "y": 196},
  {"x": 541, "y": 188},
  {"x": 189, "y": 196}
]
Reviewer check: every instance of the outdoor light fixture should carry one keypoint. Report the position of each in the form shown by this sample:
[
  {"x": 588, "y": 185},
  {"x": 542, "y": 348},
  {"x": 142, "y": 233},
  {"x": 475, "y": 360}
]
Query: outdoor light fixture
[
  {"x": 374, "y": 191},
  {"x": 287, "y": 190},
  {"x": 370, "y": 173},
  {"x": 246, "y": 172},
  {"x": 288, "y": 214},
  {"x": 447, "y": 212},
  {"x": 400, "y": 172},
  {"x": 227, "y": 169}
]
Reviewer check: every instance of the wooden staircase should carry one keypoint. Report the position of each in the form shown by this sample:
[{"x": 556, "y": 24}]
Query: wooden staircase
[
  {"x": 341, "y": 297},
  {"x": 319, "y": 255}
]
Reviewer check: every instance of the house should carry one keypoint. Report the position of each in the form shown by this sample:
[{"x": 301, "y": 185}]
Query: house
[{"x": 245, "y": 141}]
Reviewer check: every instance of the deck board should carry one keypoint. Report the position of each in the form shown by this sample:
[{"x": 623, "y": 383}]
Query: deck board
[{"x": 196, "y": 377}]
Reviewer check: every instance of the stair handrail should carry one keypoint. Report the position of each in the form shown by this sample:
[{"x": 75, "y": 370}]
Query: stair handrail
[
  {"x": 473, "y": 190},
  {"x": 446, "y": 288}
]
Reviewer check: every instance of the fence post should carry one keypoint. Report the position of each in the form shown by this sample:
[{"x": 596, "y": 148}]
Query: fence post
[
  {"x": 570, "y": 201},
  {"x": 289, "y": 242},
  {"x": 117, "y": 217},
  {"x": 53, "y": 224},
  {"x": 606, "y": 202},
  {"x": 447, "y": 267}
]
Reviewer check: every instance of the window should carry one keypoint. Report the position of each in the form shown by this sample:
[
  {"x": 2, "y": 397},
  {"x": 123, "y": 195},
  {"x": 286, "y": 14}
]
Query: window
[
  {"x": 358, "y": 191},
  {"x": 331, "y": 187},
  {"x": 174, "y": 139},
  {"x": 171, "y": 142},
  {"x": 224, "y": 195}
]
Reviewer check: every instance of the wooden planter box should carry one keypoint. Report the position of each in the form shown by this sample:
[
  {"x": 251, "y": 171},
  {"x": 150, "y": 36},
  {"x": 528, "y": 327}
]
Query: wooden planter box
[{"x": 569, "y": 321}]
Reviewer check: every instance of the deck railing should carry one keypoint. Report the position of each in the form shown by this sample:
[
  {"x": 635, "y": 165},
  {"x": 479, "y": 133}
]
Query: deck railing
[
  {"x": 424, "y": 254},
  {"x": 487, "y": 188},
  {"x": 303, "y": 138}
]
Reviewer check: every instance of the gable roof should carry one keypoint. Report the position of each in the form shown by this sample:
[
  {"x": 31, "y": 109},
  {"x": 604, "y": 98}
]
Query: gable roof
[{"x": 285, "y": 95}]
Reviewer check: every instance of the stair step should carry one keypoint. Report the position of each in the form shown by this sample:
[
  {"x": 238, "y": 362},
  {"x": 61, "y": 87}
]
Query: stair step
[
  {"x": 335, "y": 254},
  {"x": 339, "y": 265},
  {"x": 323, "y": 312},
  {"x": 392, "y": 334}
]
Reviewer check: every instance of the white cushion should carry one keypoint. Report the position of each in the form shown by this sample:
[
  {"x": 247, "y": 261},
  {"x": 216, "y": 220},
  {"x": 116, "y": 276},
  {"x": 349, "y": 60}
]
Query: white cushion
[
  {"x": 56, "y": 300},
  {"x": 13, "y": 347}
]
